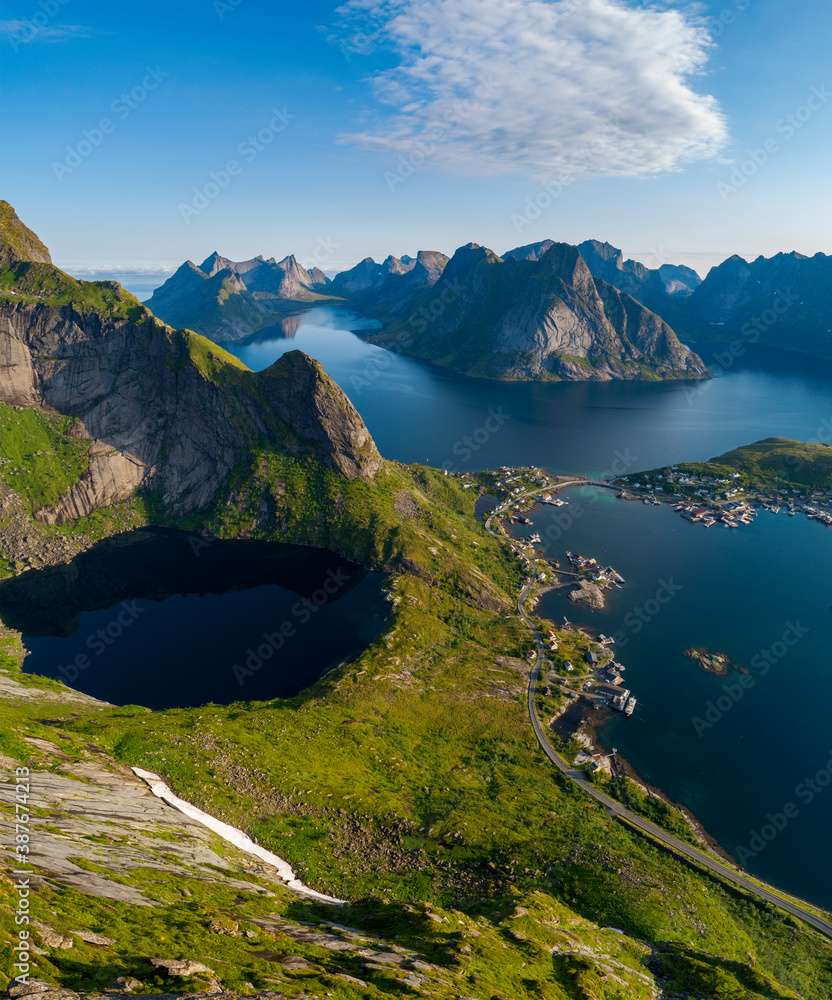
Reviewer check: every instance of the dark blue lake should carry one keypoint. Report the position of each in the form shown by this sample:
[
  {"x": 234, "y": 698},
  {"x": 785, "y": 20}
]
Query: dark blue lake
[{"x": 152, "y": 619}]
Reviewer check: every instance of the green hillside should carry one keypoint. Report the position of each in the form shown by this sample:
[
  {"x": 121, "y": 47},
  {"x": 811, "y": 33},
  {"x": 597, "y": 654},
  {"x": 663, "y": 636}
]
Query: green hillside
[{"x": 407, "y": 782}]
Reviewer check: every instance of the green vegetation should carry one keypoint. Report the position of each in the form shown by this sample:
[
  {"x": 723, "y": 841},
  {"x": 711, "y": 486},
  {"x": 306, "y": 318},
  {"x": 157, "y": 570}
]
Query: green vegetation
[
  {"x": 44, "y": 284},
  {"x": 777, "y": 463},
  {"x": 18, "y": 242},
  {"x": 412, "y": 775},
  {"x": 769, "y": 466},
  {"x": 38, "y": 456},
  {"x": 408, "y": 781},
  {"x": 655, "y": 809}
]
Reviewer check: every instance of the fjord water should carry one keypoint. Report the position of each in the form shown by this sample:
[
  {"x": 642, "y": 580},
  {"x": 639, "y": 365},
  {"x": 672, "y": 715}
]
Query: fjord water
[
  {"x": 418, "y": 412},
  {"x": 166, "y": 620},
  {"x": 740, "y": 588},
  {"x": 733, "y": 755}
]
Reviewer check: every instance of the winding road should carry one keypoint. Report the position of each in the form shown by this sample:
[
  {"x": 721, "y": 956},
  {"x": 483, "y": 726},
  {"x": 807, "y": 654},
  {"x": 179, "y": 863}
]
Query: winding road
[{"x": 613, "y": 806}]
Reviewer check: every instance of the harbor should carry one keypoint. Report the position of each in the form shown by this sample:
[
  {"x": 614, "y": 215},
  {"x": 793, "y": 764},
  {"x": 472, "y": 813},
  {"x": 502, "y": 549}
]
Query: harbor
[{"x": 709, "y": 501}]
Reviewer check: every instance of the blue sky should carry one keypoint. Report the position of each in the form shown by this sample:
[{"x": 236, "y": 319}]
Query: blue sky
[{"x": 401, "y": 125}]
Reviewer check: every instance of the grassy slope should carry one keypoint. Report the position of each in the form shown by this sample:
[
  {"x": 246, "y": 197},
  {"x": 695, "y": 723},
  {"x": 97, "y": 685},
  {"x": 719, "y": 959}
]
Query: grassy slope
[
  {"x": 413, "y": 773},
  {"x": 43, "y": 283},
  {"x": 38, "y": 458},
  {"x": 17, "y": 241}
]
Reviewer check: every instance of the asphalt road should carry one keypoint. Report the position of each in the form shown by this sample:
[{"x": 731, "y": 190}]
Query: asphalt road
[{"x": 615, "y": 808}]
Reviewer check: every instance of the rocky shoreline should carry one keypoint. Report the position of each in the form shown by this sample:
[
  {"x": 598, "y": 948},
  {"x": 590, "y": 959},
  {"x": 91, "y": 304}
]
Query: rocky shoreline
[{"x": 583, "y": 719}]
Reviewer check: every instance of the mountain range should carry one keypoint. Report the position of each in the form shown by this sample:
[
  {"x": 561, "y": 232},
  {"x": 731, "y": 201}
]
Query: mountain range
[
  {"x": 782, "y": 301},
  {"x": 229, "y": 300},
  {"x": 407, "y": 781},
  {"x": 156, "y": 409},
  {"x": 535, "y": 318}
]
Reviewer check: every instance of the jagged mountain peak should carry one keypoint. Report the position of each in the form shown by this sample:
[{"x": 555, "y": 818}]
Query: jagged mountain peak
[{"x": 532, "y": 251}]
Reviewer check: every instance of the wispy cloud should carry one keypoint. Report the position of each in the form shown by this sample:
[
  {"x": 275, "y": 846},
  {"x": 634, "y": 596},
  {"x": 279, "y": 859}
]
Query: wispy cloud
[
  {"x": 589, "y": 87},
  {"x": 100, "y": 271},
  {"x": 29, "y": 31}
]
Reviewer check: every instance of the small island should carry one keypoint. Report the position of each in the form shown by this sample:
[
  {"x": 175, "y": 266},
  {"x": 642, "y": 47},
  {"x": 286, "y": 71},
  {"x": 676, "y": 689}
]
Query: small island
[{"x": 713, "y": 663}]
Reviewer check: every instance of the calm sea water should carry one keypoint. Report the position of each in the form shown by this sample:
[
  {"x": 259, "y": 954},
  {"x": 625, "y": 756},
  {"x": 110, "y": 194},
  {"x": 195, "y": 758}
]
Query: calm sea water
[
  {"x": 739, "y": 590},
  {"x": 734, "y": 755},
  {"x": 418, "y": 412}
]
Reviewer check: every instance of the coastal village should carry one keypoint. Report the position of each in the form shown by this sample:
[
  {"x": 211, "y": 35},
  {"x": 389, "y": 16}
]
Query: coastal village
[
  {"x": 710, "y": 500},
  {"x": 578, "y": 667}
]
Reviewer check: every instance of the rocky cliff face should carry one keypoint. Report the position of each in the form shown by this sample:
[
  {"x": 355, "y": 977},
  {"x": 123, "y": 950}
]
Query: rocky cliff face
[
  {"x": 230, "y": 300},
  {"x": 539, "y": 317},
  {"x": 167, "y": 411},
  {"x": 651, "y": 286}
]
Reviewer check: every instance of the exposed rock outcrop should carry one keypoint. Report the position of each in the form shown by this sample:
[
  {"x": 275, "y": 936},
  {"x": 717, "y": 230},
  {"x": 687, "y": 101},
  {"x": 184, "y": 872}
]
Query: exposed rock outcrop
[
  {"x": 531, "y": 319},
  {"x": 168, "y": 411},
  {"x": 653, "y": 287}
]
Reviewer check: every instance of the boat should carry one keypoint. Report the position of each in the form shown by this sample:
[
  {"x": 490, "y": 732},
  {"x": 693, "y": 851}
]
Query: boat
[
  {"x": 629, "y": 708},
  {"x": 535, "y": 538}
]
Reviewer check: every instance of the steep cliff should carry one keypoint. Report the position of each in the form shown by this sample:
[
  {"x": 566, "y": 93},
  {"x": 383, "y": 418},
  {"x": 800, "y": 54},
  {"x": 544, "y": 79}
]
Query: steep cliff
[
  {"x": 168, "y": 411},
  {"x": 535, "y": 318},
  {"x": 154, "y": 409}
]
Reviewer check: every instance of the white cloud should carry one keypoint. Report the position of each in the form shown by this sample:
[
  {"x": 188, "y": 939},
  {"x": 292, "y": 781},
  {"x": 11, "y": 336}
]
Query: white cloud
[
  {"x": 582, "y": 88},
  {"x": 21, "y": 32}
]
